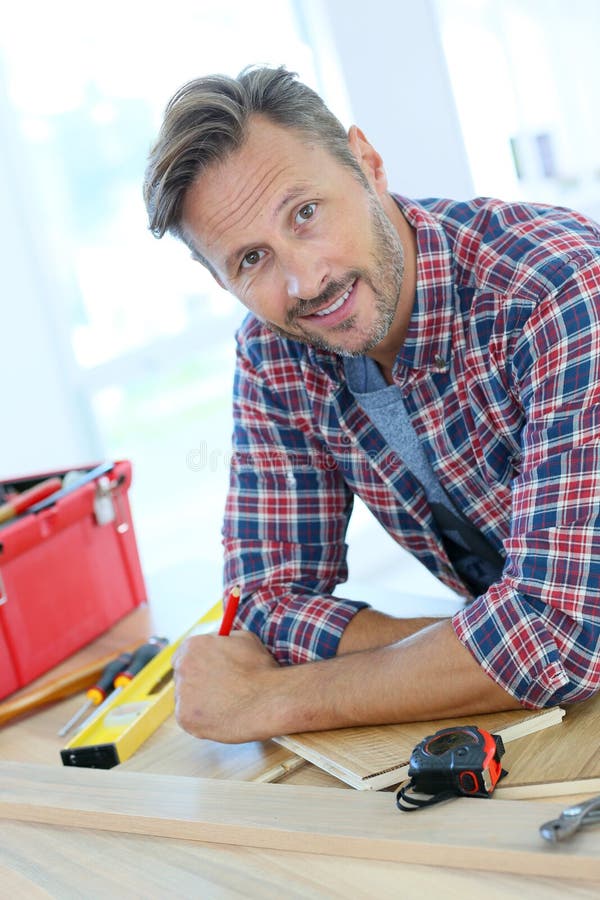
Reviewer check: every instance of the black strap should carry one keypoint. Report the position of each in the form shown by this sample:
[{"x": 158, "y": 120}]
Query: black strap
[
  {"x": 408, "y": 800},
  {"x": 471, "y": 538}
]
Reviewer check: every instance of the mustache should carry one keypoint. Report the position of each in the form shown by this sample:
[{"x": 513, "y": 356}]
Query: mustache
[{"x": 334, "y": 288}]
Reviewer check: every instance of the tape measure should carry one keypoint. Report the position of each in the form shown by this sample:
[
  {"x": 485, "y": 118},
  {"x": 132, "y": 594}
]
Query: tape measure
[{"x": 463, "y": 760}]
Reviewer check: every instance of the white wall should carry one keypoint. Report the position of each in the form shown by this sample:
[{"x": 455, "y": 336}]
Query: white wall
[
  {"x": 45, "y": 420},
  {"x": 398, "y": 86}
]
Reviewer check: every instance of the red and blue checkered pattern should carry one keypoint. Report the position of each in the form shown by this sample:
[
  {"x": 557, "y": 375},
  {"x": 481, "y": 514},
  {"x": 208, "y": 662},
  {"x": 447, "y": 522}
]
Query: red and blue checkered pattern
[{"x": 500, "y": 373}]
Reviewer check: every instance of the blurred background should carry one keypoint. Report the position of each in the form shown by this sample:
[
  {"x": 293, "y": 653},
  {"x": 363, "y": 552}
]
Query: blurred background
[{"x": 115, "y": 345}]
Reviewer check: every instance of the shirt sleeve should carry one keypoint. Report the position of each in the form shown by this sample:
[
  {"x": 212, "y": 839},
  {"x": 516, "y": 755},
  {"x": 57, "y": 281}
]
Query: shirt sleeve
[
  {"x": 287, "y": 510},
  {"x": 537, "y": 631}
]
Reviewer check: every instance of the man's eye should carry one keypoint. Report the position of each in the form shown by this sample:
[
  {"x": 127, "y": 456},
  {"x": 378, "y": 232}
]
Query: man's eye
[
  {"x": 251, "y": 258},
  {"x": 305, "y": 213}
]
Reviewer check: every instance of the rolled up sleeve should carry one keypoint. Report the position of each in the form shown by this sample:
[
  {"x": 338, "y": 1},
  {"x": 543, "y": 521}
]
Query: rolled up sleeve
[
  {"x": 537, "y": 654},
  {"x": 537, "y": 631}
]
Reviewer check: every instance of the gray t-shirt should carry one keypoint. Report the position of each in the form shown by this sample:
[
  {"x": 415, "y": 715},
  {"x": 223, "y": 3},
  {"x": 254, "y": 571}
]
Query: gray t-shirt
[{"x": 473, "y": 557}]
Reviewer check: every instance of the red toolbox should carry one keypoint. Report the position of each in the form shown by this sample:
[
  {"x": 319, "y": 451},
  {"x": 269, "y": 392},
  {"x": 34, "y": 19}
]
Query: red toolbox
[{"x": 69, "y": 569}]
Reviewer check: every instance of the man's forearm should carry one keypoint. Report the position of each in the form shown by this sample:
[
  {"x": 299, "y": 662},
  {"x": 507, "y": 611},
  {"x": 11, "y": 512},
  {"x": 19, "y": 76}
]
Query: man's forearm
[
  {"x": 370, "y": 629},
  {"x": 232, "y": 690},
  {"x": 428, "y": 675}
]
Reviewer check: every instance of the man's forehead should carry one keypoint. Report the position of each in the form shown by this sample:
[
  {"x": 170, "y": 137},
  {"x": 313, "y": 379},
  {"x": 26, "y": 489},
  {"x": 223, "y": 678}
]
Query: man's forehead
[
  {"x": 217, "y": 210},
  {"x": 249, "y": 188},
  {"x": 233, "y": 193}
]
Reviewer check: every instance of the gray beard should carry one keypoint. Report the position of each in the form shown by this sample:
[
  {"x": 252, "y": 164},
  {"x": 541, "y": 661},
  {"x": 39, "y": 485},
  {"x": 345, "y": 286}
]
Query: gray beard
[{"x": 383, "y": 323}]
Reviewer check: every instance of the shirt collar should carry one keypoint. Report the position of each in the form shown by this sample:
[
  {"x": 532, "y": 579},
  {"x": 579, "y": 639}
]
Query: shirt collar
[{"x": 428, "y": 342}]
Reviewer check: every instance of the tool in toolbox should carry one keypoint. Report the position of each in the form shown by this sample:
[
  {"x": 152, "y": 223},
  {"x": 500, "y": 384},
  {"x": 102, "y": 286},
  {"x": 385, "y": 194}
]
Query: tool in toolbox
[
  {"x": 126, "y": 720},
  {"x": 20, "y": 502},
  {"x": 117, "y": 674},
  {"x": 571, "y": 819},
  {"x": 461, "y": 760},
  {"x": 71, "y": 486}
]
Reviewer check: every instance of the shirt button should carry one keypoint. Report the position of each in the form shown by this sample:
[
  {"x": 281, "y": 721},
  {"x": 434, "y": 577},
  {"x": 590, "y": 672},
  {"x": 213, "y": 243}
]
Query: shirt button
[{"x": 440, "y": 363}]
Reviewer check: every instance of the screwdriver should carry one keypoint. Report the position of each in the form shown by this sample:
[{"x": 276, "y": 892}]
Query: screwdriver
[
  {"x": 141, "y": 658},
  {"x": 97, "y": 693}
]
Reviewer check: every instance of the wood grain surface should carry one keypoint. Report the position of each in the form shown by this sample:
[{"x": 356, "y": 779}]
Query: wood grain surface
[
  {"x": 40, "y": 860},
  {"x": 375, "y": 757},
  {"x": 96, "y": 865},
  {"x": 479, "y": 835}
]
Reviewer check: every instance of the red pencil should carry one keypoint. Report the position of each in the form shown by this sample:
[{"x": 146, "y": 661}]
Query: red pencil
[{"x": 230, "y": 611}]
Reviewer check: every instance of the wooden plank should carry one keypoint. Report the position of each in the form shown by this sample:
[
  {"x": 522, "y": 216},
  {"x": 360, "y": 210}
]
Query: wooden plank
[
  {"x": 484, "y": 835},
  {"x": 375, "y": 757},
  {"x": 172, "y": 751},
  {"x": 15, "y": 884},
  {"x": 542, "y": 790},
  {"x": 275, "y": 773},
  {"x": 81, "y": 863},
  {"x": 568, "y": 752}
]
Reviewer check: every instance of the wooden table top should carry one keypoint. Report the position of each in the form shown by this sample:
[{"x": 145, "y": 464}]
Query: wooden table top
[{"x": 44, "y": 860}]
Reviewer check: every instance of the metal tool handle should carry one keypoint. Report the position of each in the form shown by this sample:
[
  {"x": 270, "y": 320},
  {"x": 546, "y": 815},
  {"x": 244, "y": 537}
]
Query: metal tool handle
[{"x": 570, "y": 819}]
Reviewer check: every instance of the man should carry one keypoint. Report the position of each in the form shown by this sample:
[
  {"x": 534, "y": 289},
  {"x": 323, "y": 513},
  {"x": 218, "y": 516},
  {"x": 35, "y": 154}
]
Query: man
[{"x": 438, "y": 359}]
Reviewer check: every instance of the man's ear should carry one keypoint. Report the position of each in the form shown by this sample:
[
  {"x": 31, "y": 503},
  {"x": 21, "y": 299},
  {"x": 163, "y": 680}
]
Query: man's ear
[{"x": 369, "y": 160}]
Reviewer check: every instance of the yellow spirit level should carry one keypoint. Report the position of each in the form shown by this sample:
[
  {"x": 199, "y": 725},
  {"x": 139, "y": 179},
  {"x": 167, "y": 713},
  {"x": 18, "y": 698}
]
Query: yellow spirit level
[{"x": 122, "y": 725}]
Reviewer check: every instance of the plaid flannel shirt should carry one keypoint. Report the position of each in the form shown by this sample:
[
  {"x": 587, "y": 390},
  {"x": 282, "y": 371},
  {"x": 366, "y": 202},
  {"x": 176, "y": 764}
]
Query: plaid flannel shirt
[{"x": 500, "y": 373}]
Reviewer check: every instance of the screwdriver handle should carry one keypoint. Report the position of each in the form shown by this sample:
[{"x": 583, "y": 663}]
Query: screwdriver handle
[
  {"x": 141, "y": 658},
  {"x": 25, "y": 499},
  {"x": 105, "y": 683}
]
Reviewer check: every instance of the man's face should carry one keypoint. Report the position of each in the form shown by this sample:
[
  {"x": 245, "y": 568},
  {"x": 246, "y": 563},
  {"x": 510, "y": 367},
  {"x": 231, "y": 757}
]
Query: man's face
[{"x": 299, "y": 240}]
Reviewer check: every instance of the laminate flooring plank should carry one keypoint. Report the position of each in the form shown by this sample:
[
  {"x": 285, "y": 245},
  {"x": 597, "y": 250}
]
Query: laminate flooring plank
[
  {"x": 485, "y": 835},
  {"x": 580, "y": 787},
  {"x": 570, "y": 751}
]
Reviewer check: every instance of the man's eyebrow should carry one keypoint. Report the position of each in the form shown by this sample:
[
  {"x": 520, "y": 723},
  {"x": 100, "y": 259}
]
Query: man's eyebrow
[
  {"x": 289, "y": 197},
  {"x": 294, "y": 192}
]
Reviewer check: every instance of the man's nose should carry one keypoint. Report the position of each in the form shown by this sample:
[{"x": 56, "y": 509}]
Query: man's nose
[{"x": 306, "y": 273}]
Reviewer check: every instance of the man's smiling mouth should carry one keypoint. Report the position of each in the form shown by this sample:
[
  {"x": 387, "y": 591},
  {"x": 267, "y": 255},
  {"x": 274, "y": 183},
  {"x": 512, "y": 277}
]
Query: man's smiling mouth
[{"x": 335, "y": 305}]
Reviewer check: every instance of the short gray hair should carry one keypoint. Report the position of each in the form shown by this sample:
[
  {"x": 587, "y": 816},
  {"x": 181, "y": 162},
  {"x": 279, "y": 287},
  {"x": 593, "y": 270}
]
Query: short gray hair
[{"x": 207, "y": 119}]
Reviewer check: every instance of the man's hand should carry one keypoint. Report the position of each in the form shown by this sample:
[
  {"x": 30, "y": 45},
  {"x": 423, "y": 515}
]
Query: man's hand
[{"x": 221, "y": 685}]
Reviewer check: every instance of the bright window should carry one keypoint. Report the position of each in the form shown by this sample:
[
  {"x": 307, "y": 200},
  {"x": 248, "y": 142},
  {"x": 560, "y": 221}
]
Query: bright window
[
  {"x": 527, "y": 86},
  {"x": 151, "y": 333}
]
